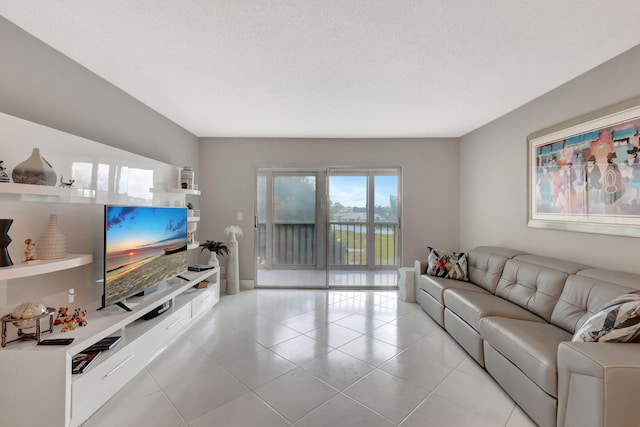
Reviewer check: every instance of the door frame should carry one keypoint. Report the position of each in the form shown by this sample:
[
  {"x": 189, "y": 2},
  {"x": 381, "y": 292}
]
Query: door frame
[{"x": 323, "y": 218}]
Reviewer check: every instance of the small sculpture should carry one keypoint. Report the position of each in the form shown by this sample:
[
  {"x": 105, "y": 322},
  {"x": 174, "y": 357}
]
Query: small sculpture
[
  {"x": 78, "y": 318},
  {"x": 3, "y": 175},
  {"x": 62, "y": 315},
  {"x": 30, "y": 255},
  {"x": 66, "y": 184}
]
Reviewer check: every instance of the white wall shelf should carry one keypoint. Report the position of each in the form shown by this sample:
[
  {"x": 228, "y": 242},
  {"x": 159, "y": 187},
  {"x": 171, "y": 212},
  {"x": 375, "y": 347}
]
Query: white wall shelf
[
  {"x": 193, "y": 218},
  {"x": 194, "y": 245},
  {"x": 19, "y": 270},
  {"x": 183, "y": 191},
  {"x": 45, "y": 190}
]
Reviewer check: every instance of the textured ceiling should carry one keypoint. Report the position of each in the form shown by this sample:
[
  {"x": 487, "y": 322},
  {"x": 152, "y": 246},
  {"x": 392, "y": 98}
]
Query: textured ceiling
[{"x": 333, "y": 68}]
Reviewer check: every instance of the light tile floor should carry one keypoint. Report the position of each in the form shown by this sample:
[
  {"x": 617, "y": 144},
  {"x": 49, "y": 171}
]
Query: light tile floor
[{"x": 309, "y": 358}]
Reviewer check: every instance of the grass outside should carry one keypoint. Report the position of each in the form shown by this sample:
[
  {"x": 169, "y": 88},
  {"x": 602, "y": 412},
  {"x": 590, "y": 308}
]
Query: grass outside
[{"x": 350, "y": 248}]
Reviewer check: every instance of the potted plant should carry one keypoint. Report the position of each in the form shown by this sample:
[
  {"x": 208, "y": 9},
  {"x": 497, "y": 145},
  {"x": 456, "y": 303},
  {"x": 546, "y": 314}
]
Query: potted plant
[
  {"x": 216, "y": 248},
  {"x": 192, "y": 211}
]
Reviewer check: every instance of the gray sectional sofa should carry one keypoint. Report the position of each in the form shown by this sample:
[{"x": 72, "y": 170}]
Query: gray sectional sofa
[{"x": 516, "y": 316}]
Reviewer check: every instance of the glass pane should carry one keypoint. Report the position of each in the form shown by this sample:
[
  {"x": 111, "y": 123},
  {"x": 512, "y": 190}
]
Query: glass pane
[
  {"x": 386, "y": 219},
  {"x": 386, "y": 198},
  {"x": 261, "y": 234},
  {"x": 294, "y": 220},
  {"x": 262, "y": 198},
  {"x": 294, "y": 199},
  {"x": 348, "y": 218},
  {"x": 348, "y": 198}
]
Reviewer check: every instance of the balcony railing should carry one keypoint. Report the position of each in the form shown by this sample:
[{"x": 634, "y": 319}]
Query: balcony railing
[
  {"x": 348, "y": 244},
  {"x": 295, "y": 244}
]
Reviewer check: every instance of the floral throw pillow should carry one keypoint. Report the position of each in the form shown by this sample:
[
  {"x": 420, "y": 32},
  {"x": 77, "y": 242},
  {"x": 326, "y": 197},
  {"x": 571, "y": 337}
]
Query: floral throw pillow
[
  {"x": 452, "y": 265},
  {"x": 617, "y": 321}
]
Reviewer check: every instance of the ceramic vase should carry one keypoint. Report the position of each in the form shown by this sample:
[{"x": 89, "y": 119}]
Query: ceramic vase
[
  {"x": 52, "y": 243},
  {"x": 35, "y": 170},
  {"x": 5, "y": 259},
  {"x": 213, "y": 260}
]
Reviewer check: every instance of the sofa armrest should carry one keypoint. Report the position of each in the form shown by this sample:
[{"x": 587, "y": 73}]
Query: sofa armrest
[
  {"x": 421, "y": 267},
  {"x": 598, "y": 383}
]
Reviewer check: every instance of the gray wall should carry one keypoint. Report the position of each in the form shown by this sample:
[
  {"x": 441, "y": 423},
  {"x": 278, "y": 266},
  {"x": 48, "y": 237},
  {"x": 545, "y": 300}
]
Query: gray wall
[
  {"x": 39, "y": 84},
  {"x": 493, "y": 171},
  {"x": 430, "y": 184}
]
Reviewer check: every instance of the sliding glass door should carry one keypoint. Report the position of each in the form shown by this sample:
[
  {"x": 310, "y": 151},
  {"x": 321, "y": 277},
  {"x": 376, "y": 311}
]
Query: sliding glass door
[
  {"x": 290, "y": 229},
  {"x": 334, "y": 227},
  {"x": 363, "y": 227}
]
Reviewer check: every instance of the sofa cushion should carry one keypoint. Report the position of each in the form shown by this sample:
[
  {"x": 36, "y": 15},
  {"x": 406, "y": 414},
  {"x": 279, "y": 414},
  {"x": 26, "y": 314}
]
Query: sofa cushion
[
  {"x": 452, "y": 265},
  {"x": 472, "y": 306},
  {"x": 531, "y": 286},
  {"x": 568, "y": 267},
  {"x": 485, "y": 265},
  {"x": 531, "y": 346},
  {"x": 435, "y": 286},
  {"x": 584, "y": 295},
  {"x": 617, "y": 321}
]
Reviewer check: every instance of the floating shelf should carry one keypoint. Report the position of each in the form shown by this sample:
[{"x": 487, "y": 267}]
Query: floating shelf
[
  {"x": 193, "y": 245},
  {"x": 25, "y": 270},
  {"x": 45, "y": 190},
  {"x": 193, "y": 218},
  {"x": 183, "y": 191}
]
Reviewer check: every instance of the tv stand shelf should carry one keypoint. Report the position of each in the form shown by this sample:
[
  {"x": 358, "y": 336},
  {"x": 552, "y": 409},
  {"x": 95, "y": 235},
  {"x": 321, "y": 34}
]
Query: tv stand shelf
[{"x": 43, "y": 373}]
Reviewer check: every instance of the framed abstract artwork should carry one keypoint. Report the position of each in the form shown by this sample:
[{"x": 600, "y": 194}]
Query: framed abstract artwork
[{"x": 584, "y": 175}]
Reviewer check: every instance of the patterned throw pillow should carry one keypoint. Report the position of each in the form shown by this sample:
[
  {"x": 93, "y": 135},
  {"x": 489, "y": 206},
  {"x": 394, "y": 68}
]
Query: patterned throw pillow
[
  {"x": 617, "y": 321},
  {"x": 452, "y": 265}
]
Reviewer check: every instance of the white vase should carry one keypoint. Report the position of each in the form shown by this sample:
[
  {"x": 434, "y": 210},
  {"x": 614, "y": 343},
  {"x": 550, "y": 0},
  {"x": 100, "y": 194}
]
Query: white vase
[
  {"x": 52, "y": 243},
  {"x": 213, "y": 260},
  {"x": 35, "y": 170},
  {"x": 233, "y": 269}
]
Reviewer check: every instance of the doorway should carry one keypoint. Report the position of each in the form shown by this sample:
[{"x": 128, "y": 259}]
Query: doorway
[{"x": 334, "y": 227}]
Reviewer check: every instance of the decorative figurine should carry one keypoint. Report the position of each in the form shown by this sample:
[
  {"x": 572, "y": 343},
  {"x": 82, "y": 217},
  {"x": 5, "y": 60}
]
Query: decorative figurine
[
  {"x": 62, "y": 315},
  {"x": 30, "y": 255},
  {"x": 66, "y": 184},
  {"x": 69, "y": 324},
  {"x": 78, "y": 318},
  {"x": 3, "y": 175}
]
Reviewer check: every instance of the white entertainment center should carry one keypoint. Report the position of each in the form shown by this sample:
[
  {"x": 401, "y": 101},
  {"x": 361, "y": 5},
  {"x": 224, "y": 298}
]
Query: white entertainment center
[
  {"x": 37, "y": 383},
  {"x": 37, "y": 387}
]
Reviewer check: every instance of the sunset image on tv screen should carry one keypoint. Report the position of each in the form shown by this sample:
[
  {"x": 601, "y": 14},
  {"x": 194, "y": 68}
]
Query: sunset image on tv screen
[{"x": 143, "y": 246}]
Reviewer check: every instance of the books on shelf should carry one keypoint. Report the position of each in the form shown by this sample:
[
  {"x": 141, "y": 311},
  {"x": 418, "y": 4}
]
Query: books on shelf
[
  {"x": 104, "y": 344},
  {"x": 81, "y": 361},
  {"x": 200, "y": 267}
]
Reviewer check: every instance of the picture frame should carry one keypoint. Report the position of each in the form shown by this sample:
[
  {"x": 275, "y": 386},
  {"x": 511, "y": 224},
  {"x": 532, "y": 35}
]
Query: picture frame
[{"x": 584, "y": 174}]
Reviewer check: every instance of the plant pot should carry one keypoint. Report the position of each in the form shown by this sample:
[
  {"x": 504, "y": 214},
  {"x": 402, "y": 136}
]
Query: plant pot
[{"x": 213, "y": 260}]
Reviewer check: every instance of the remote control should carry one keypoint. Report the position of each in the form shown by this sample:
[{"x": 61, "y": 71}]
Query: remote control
[{"x": 56, "y": 341}]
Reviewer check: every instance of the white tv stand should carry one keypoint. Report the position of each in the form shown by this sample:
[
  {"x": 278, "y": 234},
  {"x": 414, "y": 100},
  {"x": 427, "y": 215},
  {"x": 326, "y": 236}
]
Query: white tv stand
[{"x": 37, "y": 387}]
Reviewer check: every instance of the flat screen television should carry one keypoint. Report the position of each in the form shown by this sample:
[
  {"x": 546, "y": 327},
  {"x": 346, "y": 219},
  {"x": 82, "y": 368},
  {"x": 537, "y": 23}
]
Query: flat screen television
[{"x": 143, "y": 246}]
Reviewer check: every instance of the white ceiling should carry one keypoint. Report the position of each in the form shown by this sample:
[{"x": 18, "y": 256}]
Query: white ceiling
[{"x": 333, "y": 68}]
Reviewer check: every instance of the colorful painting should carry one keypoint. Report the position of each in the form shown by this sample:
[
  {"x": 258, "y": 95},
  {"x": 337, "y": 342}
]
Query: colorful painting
[{"x": 586, "y": 176}]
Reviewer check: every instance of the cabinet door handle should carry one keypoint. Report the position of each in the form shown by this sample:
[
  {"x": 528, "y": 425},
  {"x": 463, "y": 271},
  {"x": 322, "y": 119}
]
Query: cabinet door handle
[
  {"x": 175, "y": 323},
  {"x": 111, "y": 372}
]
